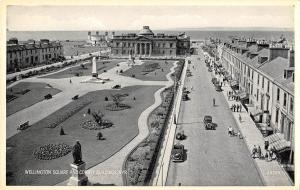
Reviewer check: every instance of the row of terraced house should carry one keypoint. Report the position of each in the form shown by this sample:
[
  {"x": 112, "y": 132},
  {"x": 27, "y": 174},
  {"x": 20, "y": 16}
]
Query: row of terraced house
[
  {"x": 263, "y": 74},
  {"x": 31, "y": 53}
]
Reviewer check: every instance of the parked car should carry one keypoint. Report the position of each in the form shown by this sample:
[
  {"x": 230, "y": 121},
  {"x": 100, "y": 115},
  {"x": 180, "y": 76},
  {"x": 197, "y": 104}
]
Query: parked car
[
  {"x": 177, "y": 154},
  {"x": 180, "y": 136},
  {"x": 23, "y": 126},
  {"x": 208, "y": 124},
  {"x": 218, "y": 88}
]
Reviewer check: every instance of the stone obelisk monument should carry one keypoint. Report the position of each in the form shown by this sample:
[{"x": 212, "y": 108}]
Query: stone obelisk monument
[{"x": 94, "y": 68}]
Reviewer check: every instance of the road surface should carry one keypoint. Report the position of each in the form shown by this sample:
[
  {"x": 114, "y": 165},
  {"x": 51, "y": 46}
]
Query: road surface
[{"x": 212, "y": 157}]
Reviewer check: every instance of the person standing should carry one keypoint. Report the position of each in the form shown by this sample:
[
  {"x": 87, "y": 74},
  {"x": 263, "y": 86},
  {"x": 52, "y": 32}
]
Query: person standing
[
  {"x": 259, "y": 152},
  {"x": 254, "y": 151},
  {"x": 266, "y": 144}
]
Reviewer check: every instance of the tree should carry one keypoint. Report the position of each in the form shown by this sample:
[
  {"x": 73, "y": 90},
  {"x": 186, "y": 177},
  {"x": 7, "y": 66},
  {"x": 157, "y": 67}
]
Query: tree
[
  {"x": 116, "y": 99},
  {"x": 98, "y": 117}
]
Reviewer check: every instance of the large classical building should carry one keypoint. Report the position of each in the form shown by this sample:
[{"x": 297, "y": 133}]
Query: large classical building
[
  {"x": 31, "y": 53},
  {"x": 264, "y": 74},
  {"x": 146, "y": 44}
]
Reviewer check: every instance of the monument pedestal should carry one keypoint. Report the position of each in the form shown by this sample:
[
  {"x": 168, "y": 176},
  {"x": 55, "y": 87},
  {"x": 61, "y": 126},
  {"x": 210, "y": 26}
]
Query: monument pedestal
[{"x": 78, "y": 177}]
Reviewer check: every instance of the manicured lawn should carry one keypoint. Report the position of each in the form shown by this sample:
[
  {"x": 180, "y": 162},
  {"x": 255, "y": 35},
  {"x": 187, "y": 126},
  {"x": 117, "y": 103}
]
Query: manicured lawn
[
  {"x": 158, "y": 74},
  {"x": 35, "y": 95},
  {"x": 101, "y": 66},
  {"x": 21, "y": 146}
]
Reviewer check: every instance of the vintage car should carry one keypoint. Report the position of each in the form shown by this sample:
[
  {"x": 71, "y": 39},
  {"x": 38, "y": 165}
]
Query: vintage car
[
  {"x": 208, "y": 124},
  {"x": 180, "y": 136},
  {"x": 23, "y": 126},
  {"x": 218, "y": 88},
  {"x": 177, "y": 153},
  {"x": 214, "y": 80}
]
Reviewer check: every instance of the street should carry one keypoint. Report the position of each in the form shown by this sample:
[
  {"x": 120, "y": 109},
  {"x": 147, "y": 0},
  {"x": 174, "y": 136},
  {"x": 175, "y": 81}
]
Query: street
[{"x": 212, "y": 156}]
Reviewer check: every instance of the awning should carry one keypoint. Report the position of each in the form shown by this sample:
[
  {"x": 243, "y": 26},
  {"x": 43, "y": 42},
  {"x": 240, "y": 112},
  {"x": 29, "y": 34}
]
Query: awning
[
  {"x": 256, "y": 112},
  {"x": 278, "y": 142},
  {"x": 281, "y": 145},
  {"x": 234, "y": 83},
  {"x": 243, "y": 95},
  {"x": 264, "y": 127}
]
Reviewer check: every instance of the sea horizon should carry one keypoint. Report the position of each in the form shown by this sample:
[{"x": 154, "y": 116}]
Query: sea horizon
[{"x": 81, "y": 35}]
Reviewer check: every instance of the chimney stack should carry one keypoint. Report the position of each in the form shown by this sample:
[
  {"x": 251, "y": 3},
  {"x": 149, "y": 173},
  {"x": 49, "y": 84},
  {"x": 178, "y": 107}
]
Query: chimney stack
[
  {"x": 278, "y": 50},
  {"x": 292, "y": 58}
]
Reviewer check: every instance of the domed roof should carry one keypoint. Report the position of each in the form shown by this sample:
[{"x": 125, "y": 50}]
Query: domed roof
[{"x": 145, "y": 31}]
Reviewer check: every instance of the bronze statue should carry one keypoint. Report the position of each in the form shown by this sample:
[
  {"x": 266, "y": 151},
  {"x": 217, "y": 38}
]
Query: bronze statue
[{"x": 77, "y": 155}]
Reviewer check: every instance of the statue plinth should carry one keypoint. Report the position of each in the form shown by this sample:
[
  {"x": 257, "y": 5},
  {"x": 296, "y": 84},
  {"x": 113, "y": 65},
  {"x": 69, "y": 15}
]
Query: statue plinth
[{"x": 78, "y": 177}]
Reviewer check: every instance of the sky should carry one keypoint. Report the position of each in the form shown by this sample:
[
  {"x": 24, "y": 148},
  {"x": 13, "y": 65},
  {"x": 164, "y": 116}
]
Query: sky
[{"x": 44, "y": 18}]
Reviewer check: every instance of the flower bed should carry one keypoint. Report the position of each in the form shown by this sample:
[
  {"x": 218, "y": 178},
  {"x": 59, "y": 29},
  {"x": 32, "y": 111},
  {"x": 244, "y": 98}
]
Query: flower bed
[
  {"x": 141, "y": 162},
  {"x": 67, "y": 114},
  {"x": 92, "y": 125},
  {"x": 114, "y": 107},
  {"x": 52, "y": 151}
]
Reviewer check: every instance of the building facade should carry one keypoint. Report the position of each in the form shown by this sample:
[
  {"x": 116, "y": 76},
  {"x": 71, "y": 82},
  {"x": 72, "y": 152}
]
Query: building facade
[
  {"x": 146, "y": 44},
  {"x": 98, "y": 39},
  {"x": 31, "y": 53},
  {"x": 264, "y": 71}
]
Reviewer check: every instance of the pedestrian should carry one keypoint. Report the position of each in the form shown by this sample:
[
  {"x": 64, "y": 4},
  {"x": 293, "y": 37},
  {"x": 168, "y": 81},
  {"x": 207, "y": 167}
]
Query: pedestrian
[
  {"x": 240, "y": 118},
  {"x": 228, "y": 130},
  {"x": 259, "y": 152},
  {"x": 269, "y": 152},
  {"x": 70, "y": 81},
  {"x": 266, "y": 144},
  {"x": 240, "y": 135},
  {"x": 234, "y": 106},
  {"x": 254, "y": 151},
  {"x": 214, "y": 102}
]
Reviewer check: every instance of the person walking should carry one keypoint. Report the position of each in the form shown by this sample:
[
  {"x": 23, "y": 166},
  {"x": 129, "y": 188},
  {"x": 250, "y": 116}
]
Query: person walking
[
  {"x": 259, "y": 152},
  {"x": 266, "y": 144},
  {"x": 254, "y": 151},
  {"x": 214, "y": 102}
]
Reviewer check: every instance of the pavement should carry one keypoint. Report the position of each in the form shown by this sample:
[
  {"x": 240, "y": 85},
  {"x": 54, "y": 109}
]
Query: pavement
[
  {"x": 160, "y": 173},
  {"x": 213, "y": 158},
  {"x": 271, "y": 172},
  {"x": 110, "y": 171}
]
